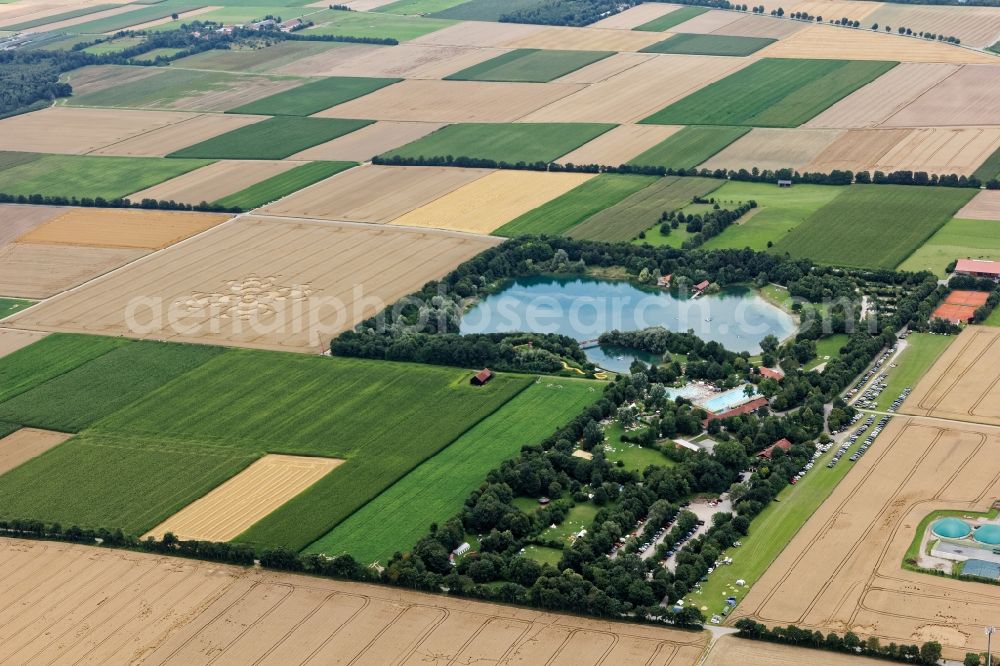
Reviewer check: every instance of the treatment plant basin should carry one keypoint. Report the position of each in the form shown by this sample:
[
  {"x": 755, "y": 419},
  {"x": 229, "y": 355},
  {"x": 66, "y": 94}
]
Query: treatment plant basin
[
  {"x": 988, "y": 534},
  {"x": 951, "y": 528}
]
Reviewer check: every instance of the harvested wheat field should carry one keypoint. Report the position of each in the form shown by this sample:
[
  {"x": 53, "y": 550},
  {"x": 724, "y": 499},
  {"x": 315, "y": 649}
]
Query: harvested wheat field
[
  {"x": 639, "y": 91},
  {"x": 852, "y": 9},
  {"x": 586, "y": 39},
  {"x": 26, "y": 443},
  {"x": 348, "y": 196},
  {"x": 18, "y": 219},
  {"x": 975, "y": 26},
  {"x": 329, "y": 60},
  {"x": 492, "y": 201},
  {"x": 984, "y": 206},
  {"x": 873, "y": 104},
  {"x": 942, "y": 150},
  {"x": 169, "y": 139},
  {"x": 75, "y": 131},
  {"x": 760, "y": 26},
  {"x": 95, "y": 78},
  {"x": 215, "y": 181},
  {"x": 970, "y": 96},
  {"x": 635, "y": 16},
  {"x": 168, "y": 19},
  {"x": 729, "y": 650},
  {"x": 229, "y": 510},
  {"x": 709, "y": 22},
  {"x": 619, "y": 145},
  {"x": 856, "y": 150},
  {"x": 843, "y": 570},
  {"x": 478, "y": 34},
  {"x": 964, "y": 383},
  {"x": 12, "y": 339},
  {"x": 259, "y": 283},
  {"x": 413, "y": 61},
  {"x": 369, "y": 141},
  {"x": 827, "y": 41},
  {"x": 452, "y": 101},
  {"x": 122, "y": 228},
  {"x": 605, "y": 68},
  {"x": 66, "y": 23},
  {"x": 769, "y": 148},
  {"x": 125, "y": 607},
  {"x": 240, "y": 90},
  {"x": 29, "y": 270}
]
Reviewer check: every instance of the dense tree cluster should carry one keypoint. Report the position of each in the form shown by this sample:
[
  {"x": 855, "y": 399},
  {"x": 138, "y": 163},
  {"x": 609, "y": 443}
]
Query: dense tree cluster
[
  {"x": 703, "y": 226},
  {"x": 567, "y": 12}
]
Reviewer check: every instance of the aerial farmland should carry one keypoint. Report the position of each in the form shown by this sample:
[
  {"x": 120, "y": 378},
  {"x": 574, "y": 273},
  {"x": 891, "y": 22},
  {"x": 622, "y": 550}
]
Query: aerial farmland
[{"x": 499, "y": 331}]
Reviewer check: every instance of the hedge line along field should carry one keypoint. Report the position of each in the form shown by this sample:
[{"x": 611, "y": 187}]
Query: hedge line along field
[
  {"x": 874, "y": 226},
  {"x": 283, "y": 184},
  {"x": 72, "y": 401},
  {"x": 272, "y": 139},
  {"x": 562, "y": 213},
  {"x": 436, "y": 490},
  {"x": 88, "y": 176},
  {"x": 214, "y": 420},
  {"x": 529, "y": 65},
  {"x": 640, "y": 211},
  {"x": 689, "y": 147},
  {"x": 717, "y": 45},
  {"x": 772, "y": 92},
  {"x": 507, "y": 142},
  {"x": 48, "y": 358},
  {"x": 667, "y": 21},
  {"x": 311, "y": 98}
]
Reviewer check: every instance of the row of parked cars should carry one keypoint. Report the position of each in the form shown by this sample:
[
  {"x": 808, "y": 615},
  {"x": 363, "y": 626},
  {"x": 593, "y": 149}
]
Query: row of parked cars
[
  {"x": 874, "y": 370},
  {"x": 870, "y": 438},
  {"x": 899, "y": 401}
]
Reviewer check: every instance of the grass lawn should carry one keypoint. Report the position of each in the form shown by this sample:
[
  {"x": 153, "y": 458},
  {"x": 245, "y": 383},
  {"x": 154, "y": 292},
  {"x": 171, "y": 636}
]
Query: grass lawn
[
  {"x": 48, "y": 358},
  {"x": 283, "y": 184},
  {"x": 503, "y": 142},
  {"x": 990, "y": 169},
  {"x": 772, "y": 92},
  {"x": 560, "y": 214},
  {"x": 530, "y": 65},
  {"x": 254, "y": 60},
  {"x": 993, "y": 319},
  {"x": 580, "y": 517},
  {"x": 151, "y": 56},
  {"x": 9, "y": 306},
  {"x": 272, "y": 139},
  {"x": 436, "y": 490},
  {"x": 417, "y": 7},
  {"x": 957, "y": 239},
  {"x": 873, "y": 226},
  {"x": 667, "y": 21},
  {"x": 56, "y": 18},
  {"x": 717, "y": 45},
  {"x": 383, "y": 418},
  {"x": 689, "y": 147},
  {"x": 922, "y": 349},
  {"x": 827, "y": 349},
  {"x": 88, "y": 176},
  {"x": 543, "y": 554},
  {"x": 640, "y": 211},
  {"x": 72, "y": 401},
  {"x": 369, "y": 24},
  {"x": 486, "y": 10},
  {"x": 313, "y": 97},
  {"x": 114, "y": 45},
  {"x": 633, "y": 456}
]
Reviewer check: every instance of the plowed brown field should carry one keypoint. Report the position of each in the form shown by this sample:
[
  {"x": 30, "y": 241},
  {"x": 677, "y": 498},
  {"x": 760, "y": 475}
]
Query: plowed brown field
[
  {"x": 369, "y": 141},
  {"x": 78, "y": 604},
  {"x": 373, "y": 193},
  {"x": 28, "y": 270},
  {"x": 215, "y": 181},
  {"x": 942, "y": 150},
  {"x": 619, "y": 145},
  {"x": 26, "y": 443},
  {"x": 970, "y": 96},
  {"x": 984, "y": 206},
  {"x": 768, "y": 148},
  {"x": 171, "y": 138},
  {"x": 125, "y": 228},
  {"x": 12, "y": 339},
  {"x": 586, "y": 39},
  {"x": 229, "y": 510},
  {"x": 258, "y": 282},
  {"x": 16, "y": 219},
  {"x": 857, "y": 150}
]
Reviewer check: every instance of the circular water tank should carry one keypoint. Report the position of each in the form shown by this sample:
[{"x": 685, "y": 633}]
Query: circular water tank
[
  {"x": 988, "y": 534},
  {"x": 951, "y": 528}
]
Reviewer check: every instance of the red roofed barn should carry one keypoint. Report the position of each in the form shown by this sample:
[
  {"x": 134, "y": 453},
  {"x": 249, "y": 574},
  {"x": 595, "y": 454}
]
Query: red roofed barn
[{"x": 782, "y": 444}]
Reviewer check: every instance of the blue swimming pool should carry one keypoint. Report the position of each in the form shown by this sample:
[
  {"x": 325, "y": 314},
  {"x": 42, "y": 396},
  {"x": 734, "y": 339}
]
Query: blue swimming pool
[{"x": 727, "y": 400}]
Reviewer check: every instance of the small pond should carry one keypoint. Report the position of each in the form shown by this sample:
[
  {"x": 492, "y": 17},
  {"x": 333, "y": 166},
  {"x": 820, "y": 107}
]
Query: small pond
[{"x": 585, "y": 307}]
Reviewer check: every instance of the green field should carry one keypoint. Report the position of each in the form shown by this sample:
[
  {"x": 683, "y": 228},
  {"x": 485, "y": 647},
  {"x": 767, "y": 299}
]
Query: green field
[
  {"x": 640, "y": 211},
  {"x": 957, "y": 239},
  {"x": 10, "y": 159},
  {"x": 168, "y": 88},
  {"x": 632, "y": 456},
  {"x": 239, "y": 14},
  {"x": 873, "y": 226},
  {"x": 254, "y": 60},
  {"x": 368, "y": 24},
  {"x": 436, "y": 490},
  {"x": 772, "y": 92},
  {"x": 993, "y": 319},
  {"x": 9, "y": 306},
  {"x": 543, "y": 554},
  {"x": 313, "y": 97},
  {"x": 56, "y": 18},
  {"x": 485, "y": 10},
  {"x": 827, "y": 349},
  {"x": 563, "y": 212},
  {"x": 114, "y": 45},
  {"x": 48, "y": 358},
  {"x": 922, "y": 349},
  {"x": 503, "y": 142},
  {"x": 689, "y": 147},
  {"x": 151, "y": 56},
  {"x": 417, "y": 7},
  {"x": 122, "y": 21},
  {"x": 272, "y": 139},
  {"x": 145, "y": 461},
  {"x": 529, "y": 65},
  {"x": 72, "y": 401},
  {"x": 990, "y": 169},
  {"x": 87, "y": 176},
  {"x": 717, "y": 45},
  {"x": 283, "y": 184},
  {"x": 667, "y": 21}
]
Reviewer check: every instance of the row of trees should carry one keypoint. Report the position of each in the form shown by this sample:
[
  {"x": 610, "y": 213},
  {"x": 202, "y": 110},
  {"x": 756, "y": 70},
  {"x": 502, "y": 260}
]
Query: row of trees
[{"x": 101, "y": 202}]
